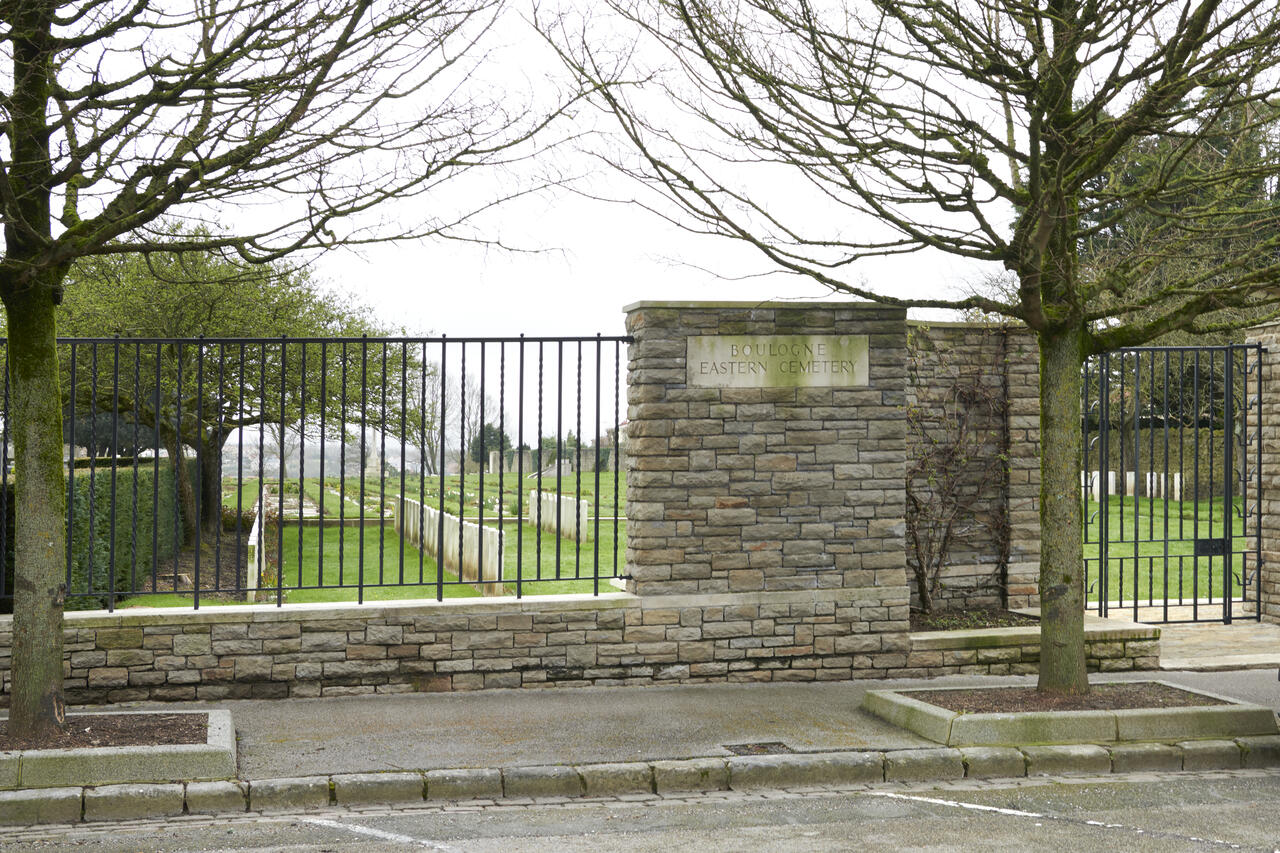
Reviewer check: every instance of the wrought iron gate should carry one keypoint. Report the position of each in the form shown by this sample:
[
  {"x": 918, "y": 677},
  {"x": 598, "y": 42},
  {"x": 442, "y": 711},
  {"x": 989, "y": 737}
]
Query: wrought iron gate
[{"x": 1171, "y": 483}]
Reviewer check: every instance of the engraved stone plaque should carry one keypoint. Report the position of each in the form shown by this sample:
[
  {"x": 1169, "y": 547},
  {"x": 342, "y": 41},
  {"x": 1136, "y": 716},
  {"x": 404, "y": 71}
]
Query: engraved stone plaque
[{"x": 777, "y": 361}]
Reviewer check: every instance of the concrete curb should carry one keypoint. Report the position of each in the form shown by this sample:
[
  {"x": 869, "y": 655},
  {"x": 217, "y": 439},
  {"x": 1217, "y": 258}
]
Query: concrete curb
[
  {"x": 796, "y": 770},
  {"x": 103, "y": 766},
  {"x": 1234, "y": 719}
]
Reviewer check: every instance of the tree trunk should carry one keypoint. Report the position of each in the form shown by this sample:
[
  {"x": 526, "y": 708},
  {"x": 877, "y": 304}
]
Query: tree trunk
[
  {"x": 211, "y": 485},
  {"x": 186, "y": 494},
  {"x": 1062, "y": 657},
  {"x": 40, "y": 532}
]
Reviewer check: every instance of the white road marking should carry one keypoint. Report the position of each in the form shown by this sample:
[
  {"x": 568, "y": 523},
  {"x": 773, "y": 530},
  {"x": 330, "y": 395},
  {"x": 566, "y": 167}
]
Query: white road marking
[
  {"x": 381, "y": 834},
  {"x": 977, "y": 807}
]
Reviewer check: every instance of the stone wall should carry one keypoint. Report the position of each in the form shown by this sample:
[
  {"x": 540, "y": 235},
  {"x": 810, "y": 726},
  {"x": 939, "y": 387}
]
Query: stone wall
[
  {"x": 1016, "y": 651},
  {"x": 263, "y": 651},
  {"x": 765, "y": 543},
  {"x": 787, "y": 501},
  {"x": 1269, "y": 337},
  {"x": 989, "y": 374}
]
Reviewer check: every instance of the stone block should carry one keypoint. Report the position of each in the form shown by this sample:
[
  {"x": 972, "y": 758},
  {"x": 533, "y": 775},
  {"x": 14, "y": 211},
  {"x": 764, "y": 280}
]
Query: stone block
[
  {"x": 923, "y": 765},
  {"x": 1210, "y": 755},
  {"x": 289, "y": 794},
  {"x": 1144, "y": 757},
  {"x": 464, "y": 784},
  {"x": 40, "y": 805},
  {"x": 119, "y": 638},
  {"x": 1067, "y": 760},
  {"x": 694, "y": 774},
  {"x": 603, "y": 780},
  {"x": 216, "y": 797},
  {"x": 359, "y": 788},
  {"x": 550, "y": 781},
  {"x": 1262, "y": 751},
  {"x": 993, "y": 762},
  {"x": 192, "y": 644},
  {"x": 1032, "y": 728},
  {"x": 805, "y": 770},
  {"x": 386, "y": 635},
  {"x": 132, "y": 802},
  {"x": 1208, "y": 721}
]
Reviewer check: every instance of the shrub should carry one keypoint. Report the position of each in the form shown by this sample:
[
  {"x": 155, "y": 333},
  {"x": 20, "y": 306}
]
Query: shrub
[{"x": 158, "y": 526}]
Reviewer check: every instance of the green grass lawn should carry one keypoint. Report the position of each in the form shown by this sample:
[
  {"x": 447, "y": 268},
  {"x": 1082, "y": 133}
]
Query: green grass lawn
[
  {"x": 1143, "y": 535},
  {"x": 390, "y": 568}
]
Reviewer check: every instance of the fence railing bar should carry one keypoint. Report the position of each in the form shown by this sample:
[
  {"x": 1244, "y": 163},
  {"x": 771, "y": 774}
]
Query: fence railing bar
[
  {"x": 364, "y": 435},
  {"x": 199, "y": 391},
  {"x": 444, "y": 399},
  {"x": 520, "y": 476}
]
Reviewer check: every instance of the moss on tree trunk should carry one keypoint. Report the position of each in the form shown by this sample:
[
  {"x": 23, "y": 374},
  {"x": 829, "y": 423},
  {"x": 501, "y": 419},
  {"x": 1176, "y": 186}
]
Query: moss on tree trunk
[
  {"x": 1062, "y": 658},
  {"x": 36, "y": 707}
]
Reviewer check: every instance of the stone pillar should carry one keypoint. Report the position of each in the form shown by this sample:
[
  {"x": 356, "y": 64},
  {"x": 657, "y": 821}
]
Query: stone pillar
[
  {"x": 1022, "y": 377},
  {"x": 765, "y": 491},
  {"x": 1269, "y": 434}
]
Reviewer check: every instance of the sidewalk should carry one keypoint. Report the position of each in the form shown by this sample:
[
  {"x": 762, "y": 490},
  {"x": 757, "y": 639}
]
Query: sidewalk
[
  {"x": 504, "y": 745},
  {"x": 512, "y": 728}
]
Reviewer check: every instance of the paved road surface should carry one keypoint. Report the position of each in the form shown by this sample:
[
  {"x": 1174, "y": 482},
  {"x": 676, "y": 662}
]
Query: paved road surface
[{"x": 1227, "y": 810}]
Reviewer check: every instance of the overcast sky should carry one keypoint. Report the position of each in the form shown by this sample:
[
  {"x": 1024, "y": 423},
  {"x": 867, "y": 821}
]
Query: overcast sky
[{"x": 594, "y": 258}]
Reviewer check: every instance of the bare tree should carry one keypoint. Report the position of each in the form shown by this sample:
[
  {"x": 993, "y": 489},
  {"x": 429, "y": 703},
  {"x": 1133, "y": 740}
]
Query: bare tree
[
  {"x": 117, "y": 113},
  {"x": 422, "y": 430},
  {"x": 991, "y": 130}
]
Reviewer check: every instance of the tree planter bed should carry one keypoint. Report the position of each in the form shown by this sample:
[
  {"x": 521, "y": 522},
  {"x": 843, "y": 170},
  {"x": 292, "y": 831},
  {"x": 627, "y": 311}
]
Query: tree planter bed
[
  {"x": 1219, "y": 718},
  {"x": 52, "y": 768}
]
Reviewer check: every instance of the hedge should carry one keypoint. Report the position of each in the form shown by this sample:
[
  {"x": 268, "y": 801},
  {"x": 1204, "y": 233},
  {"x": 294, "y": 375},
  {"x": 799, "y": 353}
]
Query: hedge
[{"x": 93, "y": 536}]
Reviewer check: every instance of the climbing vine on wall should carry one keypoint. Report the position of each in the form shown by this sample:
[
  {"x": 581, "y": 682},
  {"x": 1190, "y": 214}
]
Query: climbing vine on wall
[{"x": 957, "y": 464}]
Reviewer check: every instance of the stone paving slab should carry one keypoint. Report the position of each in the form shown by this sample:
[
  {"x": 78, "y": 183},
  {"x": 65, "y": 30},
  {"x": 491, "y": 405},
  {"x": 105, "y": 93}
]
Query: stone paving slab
[{"x": 1244, "y": 644}]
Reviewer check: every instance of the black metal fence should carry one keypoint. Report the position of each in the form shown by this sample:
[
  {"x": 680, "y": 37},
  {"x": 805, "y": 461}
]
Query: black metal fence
[
  {"x": 1172, "y": 483},
  {"x": 205, "y": 471}
]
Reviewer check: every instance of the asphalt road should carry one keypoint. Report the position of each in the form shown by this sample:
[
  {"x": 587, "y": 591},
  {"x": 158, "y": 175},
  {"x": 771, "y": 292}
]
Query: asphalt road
[{"x": 1229, "y": 810}]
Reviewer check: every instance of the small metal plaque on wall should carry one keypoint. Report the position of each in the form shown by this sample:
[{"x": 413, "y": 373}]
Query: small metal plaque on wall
[{"x": 777, "y": 361}]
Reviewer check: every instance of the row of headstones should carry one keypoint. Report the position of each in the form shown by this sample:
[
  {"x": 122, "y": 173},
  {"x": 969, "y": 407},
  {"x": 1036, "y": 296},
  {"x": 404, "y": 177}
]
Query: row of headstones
[
  {"x": 472, "y": 552},
  {"x": 512, "y": 461},
  {"x": 1155, "y": 484}
]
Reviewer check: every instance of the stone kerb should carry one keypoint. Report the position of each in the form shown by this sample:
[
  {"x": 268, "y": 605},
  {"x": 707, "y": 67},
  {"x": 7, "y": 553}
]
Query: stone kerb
[
  {"x": 1269, "y": 434},
  {"x": 766, "y": 481}
]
